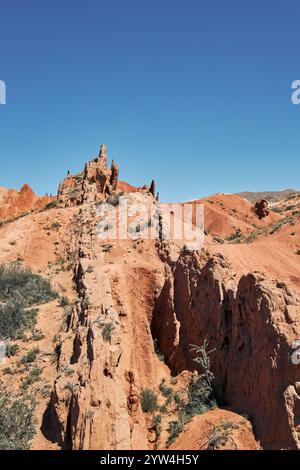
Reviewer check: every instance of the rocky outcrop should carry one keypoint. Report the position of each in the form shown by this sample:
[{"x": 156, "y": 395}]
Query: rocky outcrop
[
  {"x": 15, "y": 203},
  {"x": 261, "y": 209},
  {"x": 217, "y": 430},
  {"x": 250, "y": 325},
  {"x": 95, "y": 183}
]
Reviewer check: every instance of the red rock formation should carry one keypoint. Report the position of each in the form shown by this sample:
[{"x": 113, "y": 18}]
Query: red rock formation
[
  {"x": 95, "y": 183},
  {"x": 261, "y": 209},
  {"x": 14, "y": 203},
  {"x": 250, "y": 325}
]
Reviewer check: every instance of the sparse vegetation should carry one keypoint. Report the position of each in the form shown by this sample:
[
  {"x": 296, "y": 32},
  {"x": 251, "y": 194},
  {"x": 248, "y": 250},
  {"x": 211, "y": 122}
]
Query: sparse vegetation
[
  {"x": 174, "y": 429},
  {"x": 156, "y": 426},
  {"x": 11, "y": 349},
  {"x": 20, "y": 290},
  {"x": 200, "y": 394},
  {"x": 235, "y": 237},
  {"x": 30, "y": 356},
  {"x": 17, "y": 423},
  {"x": 166, "y": 391},
  {"x": 33, "y": 376},
  {"x": 51, "y": 205},
  {"x": 221, "y": 435},
  {"x": 64, "y": 301},
  {"x": 107, "y": 331}
]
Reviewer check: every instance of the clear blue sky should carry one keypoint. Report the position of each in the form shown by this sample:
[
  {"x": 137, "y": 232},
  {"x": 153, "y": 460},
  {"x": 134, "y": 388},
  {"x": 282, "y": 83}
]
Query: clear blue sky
[{"x": 193, "y": 93}]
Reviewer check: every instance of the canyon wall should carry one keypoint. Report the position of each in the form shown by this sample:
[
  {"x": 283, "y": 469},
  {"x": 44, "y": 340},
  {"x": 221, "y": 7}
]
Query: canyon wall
[{"x": 250, "y": 324}]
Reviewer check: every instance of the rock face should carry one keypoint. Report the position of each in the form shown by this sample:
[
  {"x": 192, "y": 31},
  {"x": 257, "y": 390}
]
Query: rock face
[
  {"x": 250, "y": 326},
  {"x": 261, "y": 209}
]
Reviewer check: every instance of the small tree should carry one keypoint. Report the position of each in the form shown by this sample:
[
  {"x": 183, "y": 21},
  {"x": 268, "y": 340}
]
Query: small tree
[{"x": 201, "y": 393}]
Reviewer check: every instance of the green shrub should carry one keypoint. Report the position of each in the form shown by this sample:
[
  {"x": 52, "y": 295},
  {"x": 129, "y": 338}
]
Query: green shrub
[
  {"x": 30, "y": 356},
  {"x": 221, "y": 435},
  {"x": 64, "y": 301},
  {"x": 14, "y": 319},
  {"x": 51, "y": 205},
  {"x": 17, "y": 424},
  {"x": 166, "y": 391},
  {"x": 148, "y": 400},
  {"x": 11, "y": 349},
  {"x": 174, "y": 429},
  {"x": 33, "y": 376},
  {"x": 200, "y": 394},
  {"x": 20, "y": 289},
  {"x": 18, "y": 282},
  {"x": 156, "y": 425},
  {"x": 107, "y": 331}
]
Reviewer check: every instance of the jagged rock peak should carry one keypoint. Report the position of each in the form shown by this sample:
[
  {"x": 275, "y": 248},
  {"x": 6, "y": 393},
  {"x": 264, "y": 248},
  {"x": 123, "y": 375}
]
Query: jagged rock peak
[{"x": 103, "y": 153}]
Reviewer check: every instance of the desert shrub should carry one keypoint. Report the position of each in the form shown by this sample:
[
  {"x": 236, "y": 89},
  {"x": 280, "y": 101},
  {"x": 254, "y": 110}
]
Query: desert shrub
[
  {"x": 200, "y": 394},
  {"x": 37, "y": 335},
  {"x": 14, "y": 319},
  {"x": 148, "y": 400},
  {"x": 51, "y": 205},
  {"x": 220, "y": 435},
  {"x": 20, "y": 289},
  {"x": 235, "y": 237},
  {"x": 30, "y": 356},
  {"x": 33, "y": 376},
  {"x": 174, "y": 429},
  {"x": 107, "y": 331},
  {"x": 11, "y": 349},
  {"x": 156, "y": 425},
  {"x": 64, "y": 301},
  {"x": 17, "y": 423},
  {"x": 166, "y": 391},
  {"x": 18, "y": 282}
]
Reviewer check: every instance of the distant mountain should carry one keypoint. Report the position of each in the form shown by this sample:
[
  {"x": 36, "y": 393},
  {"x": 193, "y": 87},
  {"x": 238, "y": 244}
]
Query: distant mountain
[{"x": 271, "y": 196}]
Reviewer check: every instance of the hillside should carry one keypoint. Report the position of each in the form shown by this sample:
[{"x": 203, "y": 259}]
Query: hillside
[
  {"x": 105, "y": 349},
  {"x": 271, "y": 196}
]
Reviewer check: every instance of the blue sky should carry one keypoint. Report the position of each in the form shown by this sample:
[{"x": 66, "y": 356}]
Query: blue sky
[{"x": 193, "y": 93}]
